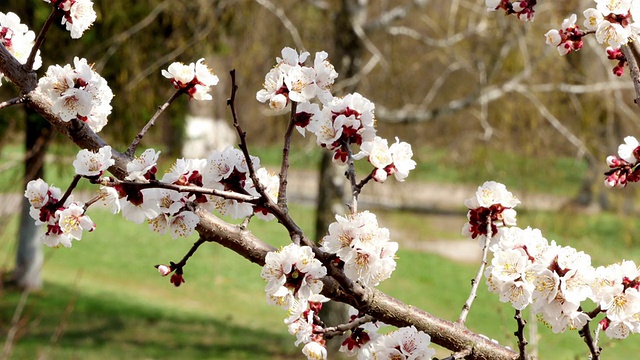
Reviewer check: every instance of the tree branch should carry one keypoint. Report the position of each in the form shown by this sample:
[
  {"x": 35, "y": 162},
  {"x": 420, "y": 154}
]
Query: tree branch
[
  {"x": 522, "y": 342},
  {"x": 338, "y": 330},
  {"x": 132, "y": 149},
  {"x": 476, "y": 281},
  {"x": 630, "y": 52},
  {"x": 14, "y": 101},
  {"x": 41, "y": 36}
]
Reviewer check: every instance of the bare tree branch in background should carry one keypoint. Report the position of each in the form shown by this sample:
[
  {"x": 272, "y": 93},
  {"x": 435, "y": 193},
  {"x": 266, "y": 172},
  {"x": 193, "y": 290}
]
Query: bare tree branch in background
[{"x": 282, "y": 16}]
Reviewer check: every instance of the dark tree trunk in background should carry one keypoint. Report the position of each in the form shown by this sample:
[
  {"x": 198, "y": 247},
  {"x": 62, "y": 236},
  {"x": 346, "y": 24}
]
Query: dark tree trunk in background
[
  {"x": 27, "y": 273},
  {"x": 347, "y": 58}
]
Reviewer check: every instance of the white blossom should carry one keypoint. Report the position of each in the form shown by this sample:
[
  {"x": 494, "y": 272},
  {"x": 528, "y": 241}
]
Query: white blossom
[
  {"x": 78, "y": 93},
  {"x": 17, "y": 39},
  {"x": 292, "y": 273},
  {"x": 79, "y": 17},
  {"x": 139, "y": 167},
  {"x": 89, "y": 163}
]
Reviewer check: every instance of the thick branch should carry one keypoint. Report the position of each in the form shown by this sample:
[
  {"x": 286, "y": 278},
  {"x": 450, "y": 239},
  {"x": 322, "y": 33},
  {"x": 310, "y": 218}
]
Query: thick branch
[
  {"x": 376, "y": 303},
  {"x": 11, "y": 68},
  {"x": 630, "y": 52}
]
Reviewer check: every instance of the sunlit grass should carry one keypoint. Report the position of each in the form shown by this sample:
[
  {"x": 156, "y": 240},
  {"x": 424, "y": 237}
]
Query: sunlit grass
[
  {"x": 122, "y": 308},
  {"x": 119, "y": 307}
]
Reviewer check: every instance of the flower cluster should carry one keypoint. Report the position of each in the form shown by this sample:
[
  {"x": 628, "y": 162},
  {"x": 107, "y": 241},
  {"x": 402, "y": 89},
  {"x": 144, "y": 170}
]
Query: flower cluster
[
  {"x": 294, "y": 281},
  {"x": 196, "y": 79},
  {"x": 617, "y": 55},
  {"x": 169, "y": 210},
  {"x": 78, "y": 15},
  {"x": 527, "y": 269},
  {"x": 166, "y": 210},
  {"x": 78, "y": 92},
  {"x": 388, "y": 160},
  {"x": 624, "y": 166},
  {"x": 64, "y": 221},
  {"x": 489, "y": 210},
  {"x": 289, "y": 80},
  {"x": 616, "y": 291},
  {"x": 228, "y": 170},
  {"x": 177, "y": 275},
  {"x": 293, "y": 274},
  {"x": 568, "y": 38},
  {"x": 612, "y": 22},
  {"x": 359, "y": 339},
  {"x": 18, "y": 39},
  {"x": 404, "y": 343},
  {"x": 363, "y": 248},
  {"x": 304, "y": 323},
  {"x": 342, "y": 122},
  {"x": 522, "y": 9},
  {"x": 143, "y": 167},
  {"x": 337, "y": 122}
]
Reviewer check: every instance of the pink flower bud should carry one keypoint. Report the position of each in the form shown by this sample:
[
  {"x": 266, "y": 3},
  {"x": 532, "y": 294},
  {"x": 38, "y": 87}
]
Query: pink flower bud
[
  {"x": 610, "y": 181},
  {"x": 164, "y": 270},
  {"x": 613, "y": 161}
]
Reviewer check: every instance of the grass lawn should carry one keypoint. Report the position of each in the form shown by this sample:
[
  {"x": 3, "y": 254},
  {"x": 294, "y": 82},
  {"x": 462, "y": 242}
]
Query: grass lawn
[
  {"x": 104, "y": 300},
  {"x": 121, "y": 308}
]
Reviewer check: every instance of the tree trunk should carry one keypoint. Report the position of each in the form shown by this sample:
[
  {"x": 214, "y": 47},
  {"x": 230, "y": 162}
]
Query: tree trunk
[
  {"x": 348, "y": 56},
  {"x": 29, "y": 254}
]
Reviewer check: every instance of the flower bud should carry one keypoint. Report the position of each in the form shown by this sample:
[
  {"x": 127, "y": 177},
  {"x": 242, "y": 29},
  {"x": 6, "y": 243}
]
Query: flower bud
[{"x": 164, "y": 270}]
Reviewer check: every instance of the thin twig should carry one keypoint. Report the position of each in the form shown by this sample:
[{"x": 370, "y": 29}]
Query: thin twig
[
  {"x": 190, "y": 253},
  {"x": 14, "y": 101},
  {"x": 594, "y": 349},
  {"x": 180, "y": 188},
  {"x": 286, "y": 148},
  {"x": 72, "y": 186},
  {"x": 40, "y": 39},
  {"x": 522, "y": 342},
  {"x": 244, "y": 147},
  {"x": 338, "y": 330},
  {"x": 264, "y": 199},
  {"x": 476, "y": 281},
  {"x": 362, "y": 183},
  {"x": 596, "y": 335},
  {"x": 593, "y": 313},
  {"x": 351, "y": 175},
  {"x": 152, "y": 121}
]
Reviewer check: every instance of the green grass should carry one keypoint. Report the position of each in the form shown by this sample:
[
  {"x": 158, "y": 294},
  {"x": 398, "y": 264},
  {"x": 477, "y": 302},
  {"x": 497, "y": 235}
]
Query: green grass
[
  {"x": 122, "y": 306},
  {"x": 108, "y": 302},
  {"x": 441, "y": 286}
]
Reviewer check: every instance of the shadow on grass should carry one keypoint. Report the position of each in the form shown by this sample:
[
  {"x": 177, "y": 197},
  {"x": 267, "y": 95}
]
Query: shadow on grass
[{"x": 99, "y": 327}]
